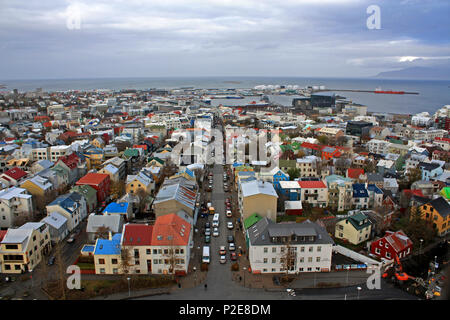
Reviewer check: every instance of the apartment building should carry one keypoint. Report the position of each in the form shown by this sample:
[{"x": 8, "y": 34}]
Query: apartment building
[
  {"x": 378, "y": 146},
  {"x": 22, "y": 249},
  {"x": 297, "y": 247},
  {"x": 14, "y": 201},
  {"x": 314, "y": 192},
  {"x": 340, "y": 192}
]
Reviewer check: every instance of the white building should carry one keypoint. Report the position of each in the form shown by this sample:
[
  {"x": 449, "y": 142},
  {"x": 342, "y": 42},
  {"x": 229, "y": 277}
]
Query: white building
[
  {"x": 14, "y": 202},
  {"x": 378, "y": 146},
  {"x": 273, "y": 247}
]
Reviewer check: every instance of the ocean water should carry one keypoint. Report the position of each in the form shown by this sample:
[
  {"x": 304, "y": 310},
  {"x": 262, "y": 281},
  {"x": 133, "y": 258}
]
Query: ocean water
[{"x": 433, "y": 94}]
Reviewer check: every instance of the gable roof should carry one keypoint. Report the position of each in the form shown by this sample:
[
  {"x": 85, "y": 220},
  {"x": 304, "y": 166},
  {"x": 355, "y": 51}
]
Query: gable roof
[
  {"x": 112, "y": 222},
  {"x": 171, "y": 230},
  {"x": 93, "y": 178},
  {"x": 70, "y": 160},
  {"x": 137, "y": 235},
  {"x": 359, "y": 190},
  {"x": 441, "y": 206},
  {"x": 255, "y": 187},
  {"x": 15, "y": 173},
  {"x": 399, "y": 241},
  {"x": 354, "y": 173}
]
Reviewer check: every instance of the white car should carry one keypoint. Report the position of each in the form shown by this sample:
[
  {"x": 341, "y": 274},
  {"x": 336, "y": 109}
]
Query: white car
[
  {"x": 215, "y": 224},
  {"x": 232, "y": 247},
  {"x": 223, "y": 259},
  {"x": 215, "y": 232},
  {"x": 230, "y": 225}
]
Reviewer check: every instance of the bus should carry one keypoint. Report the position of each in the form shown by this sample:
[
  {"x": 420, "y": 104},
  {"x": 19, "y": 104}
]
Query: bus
[{"x": 205, "y": 257}]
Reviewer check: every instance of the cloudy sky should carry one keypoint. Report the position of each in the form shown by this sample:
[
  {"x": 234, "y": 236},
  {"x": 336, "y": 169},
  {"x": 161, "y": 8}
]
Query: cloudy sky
[{"x": 137, "y": 38}]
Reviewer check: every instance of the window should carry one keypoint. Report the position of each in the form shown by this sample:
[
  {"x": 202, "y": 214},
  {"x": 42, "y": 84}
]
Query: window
[
  {"x": 101, "y": 261},
  {"x": 155, "y": 261},
  {"x": 102, "y": 270},
  {"x": 177, "y": 251},
  {"x": 273, "y": 270},
  {"x": 386, "y": 246},
  {"x": 309, "y": 269},
  {"x": 302, "y": 260},
  {"x": 274, "y": 249},
  {"x": 302, "y": 249},
  {"x": 155, "y": 251},
  {"x": 182, "y": 251},
  {"x": 301, "y": 269},
  {"x": 265, "y": 250},
  {"x": 166, "y": 251},
  {"x": 136, "y": 262},
  {"x": 319, "y": 249},
  {"x": 274, "y": 260},
  {"x": 7, "y": 267},
  {"x": 148, "y": 251},
  {"x": 310, "y": 249},
  {"x": 11, "y": 246},
  {"x": 114, "y": 261},
  {"x": 264, "y": 270},
  {"x": 381, "y": 243},
  {"x": 265, "y": 260},
  {"x": 318, "y": 259},
  {"x": 115, "y": 270},
  {"x": 388, "y": 255}
]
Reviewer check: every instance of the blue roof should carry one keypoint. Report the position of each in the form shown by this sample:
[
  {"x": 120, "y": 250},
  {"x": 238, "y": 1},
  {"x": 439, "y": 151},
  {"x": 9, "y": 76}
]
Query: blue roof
[
  {"x": 68, "y": 201},
  {"x": 104, "y": 246},
  {"x": 88, "y": 248},
  {"x": 360, "y": 191},
  {"x": 115, "y": 207},
  {"x": 372, "y": 187}
]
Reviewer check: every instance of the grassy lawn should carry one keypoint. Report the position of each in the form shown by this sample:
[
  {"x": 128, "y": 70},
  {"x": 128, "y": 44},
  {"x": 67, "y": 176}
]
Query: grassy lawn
[
  {"x": 101, "y": 287},
  {"x": 86, "y": 266}
]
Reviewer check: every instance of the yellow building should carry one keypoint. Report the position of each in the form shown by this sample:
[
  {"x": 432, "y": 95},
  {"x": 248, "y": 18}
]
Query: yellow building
[
  {"x": 354, "y": 229},
  {"x": 98, "y": 143},
  {"x": 437, "y": 212},
  {"x": 142, "y": 181},
  {"x": 38, "y": 186},
  {"x": 107, "y": 255},
  {"x": 22, "y": 249},
  {"x": 258, "y": 197}
]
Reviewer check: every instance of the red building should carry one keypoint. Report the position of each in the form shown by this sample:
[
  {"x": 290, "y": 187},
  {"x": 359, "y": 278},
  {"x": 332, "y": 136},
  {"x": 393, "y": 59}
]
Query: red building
[
  {"x": 393, "y": 243},
  {"x": 100, "y": 182}
]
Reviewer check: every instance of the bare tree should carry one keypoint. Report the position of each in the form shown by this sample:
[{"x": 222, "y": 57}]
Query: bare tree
[
  {"x": 102, "y": 232},
  {"x": 171, "y": 258},
  {"x": 61, "y": 270},
  {"x": 125, "y": 260},
  {"x": 288, "y": 256}
]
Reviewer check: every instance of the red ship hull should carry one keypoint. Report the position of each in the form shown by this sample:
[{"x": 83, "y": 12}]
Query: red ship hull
[{"x": 389, "y": 92}]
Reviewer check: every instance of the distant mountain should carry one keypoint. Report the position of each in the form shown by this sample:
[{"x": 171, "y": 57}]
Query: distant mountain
[{"x": 420, "y": 73}]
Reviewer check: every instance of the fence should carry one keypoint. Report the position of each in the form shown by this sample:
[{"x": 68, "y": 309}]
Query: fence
[{"x": 355, "y": 256}]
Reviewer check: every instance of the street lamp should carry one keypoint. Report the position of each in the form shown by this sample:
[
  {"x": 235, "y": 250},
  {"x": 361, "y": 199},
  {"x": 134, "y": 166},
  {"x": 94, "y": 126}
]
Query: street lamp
[
  {"x": 420, "y": 249},
  {"x": 31, "y": 276},
  {"x": 348, "y": 269},
  {"x": 129, "y": 289},
  {"x": 359, "y": 289},
  {"x": 244, "y": 268}
]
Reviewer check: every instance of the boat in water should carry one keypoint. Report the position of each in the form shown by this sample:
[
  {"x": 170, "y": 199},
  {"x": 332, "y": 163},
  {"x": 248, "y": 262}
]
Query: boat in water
[{"x": 378, "y": 90}]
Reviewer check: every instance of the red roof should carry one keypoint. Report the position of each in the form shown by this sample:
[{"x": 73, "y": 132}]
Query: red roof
[
  {"x": 442, "y": 139},
  {"x": 93, "y": 178},
  {"x": 354, "y": 173},
  {"x": 169, "y": 231},
  {"x": 310, "y": 146},
  {"x": 137, "y": 235},
  {"x": 15, "y": 173},
  {"x": 413, "y": 192},
  {"x": 140, "y": 146},
  {"x": 2, "y": 234},
  {"x": 71, "y": 160},
  {"x": 312, "y": 184},
  {"x": 398, "y": 240}
]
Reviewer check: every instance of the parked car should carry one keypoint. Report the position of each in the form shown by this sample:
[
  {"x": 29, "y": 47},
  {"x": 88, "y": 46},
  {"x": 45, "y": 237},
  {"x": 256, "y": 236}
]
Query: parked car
[
  {"x": 230, "y": 225},
  {"x": 223, "y": 259},
  {"x": 231, "y": 247},
  {"x": 71, "y": 239},
  {"x": 229, "y": 213},
  {"x": 222, "y": 250},
  {"x": 230, "y": 239},
  {"x": 215, "y": 224},
  {"x": 207, "y": 239},
  {"x": 208, "y": 225},
  {"x": 233, "y": 256},
  {"x": 207, "y": 232},
  {"x": 216, "y": 232}
]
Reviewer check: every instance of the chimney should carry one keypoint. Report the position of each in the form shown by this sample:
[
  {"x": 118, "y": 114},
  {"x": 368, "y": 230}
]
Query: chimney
[{"x": 109, "y": 235}]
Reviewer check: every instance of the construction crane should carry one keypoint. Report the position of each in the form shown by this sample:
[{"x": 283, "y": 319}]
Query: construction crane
[{"x": 416, "y": 285}]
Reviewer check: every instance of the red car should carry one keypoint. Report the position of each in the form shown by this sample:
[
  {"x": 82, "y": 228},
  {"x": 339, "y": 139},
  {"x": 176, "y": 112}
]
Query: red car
[{"x": 233, "y": 256}]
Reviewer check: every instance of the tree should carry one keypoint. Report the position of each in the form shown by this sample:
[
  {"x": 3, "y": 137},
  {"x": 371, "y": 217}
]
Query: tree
[
  {"x": 414, "y": 174},
  {"x": 323, "y": 140},
  {"x": 369, "y": 166},
  {"x": 117, "y": 188},
  {"x": 125, "y": 260},
  {"x": 61, "y": 270},
  {"x": 288, "y": 256},
  {"x": 293, "y": 173},
  {"x": 341, "y": 141},
  {"x": 171, "y": 259},
  {"x": 102, "y": 232}
]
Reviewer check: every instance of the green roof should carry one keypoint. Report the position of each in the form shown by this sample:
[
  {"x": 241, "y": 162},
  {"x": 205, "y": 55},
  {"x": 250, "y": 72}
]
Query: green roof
[
  {"x": 86, "y": 191},
  {"x": 254, "y": 218},
  {"x": 356, "y": 219},
  {"x": 131, "y": 153},
  {"x": 445, "y": 192}
]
